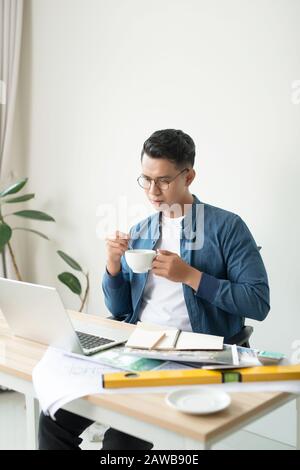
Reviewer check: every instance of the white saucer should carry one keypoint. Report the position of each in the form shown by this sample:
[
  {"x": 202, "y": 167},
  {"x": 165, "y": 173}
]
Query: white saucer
[{"x": 194, "y": 401}]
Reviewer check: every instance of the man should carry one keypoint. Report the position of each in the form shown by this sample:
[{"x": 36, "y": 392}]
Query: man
[{"x": 208, "y": 275}]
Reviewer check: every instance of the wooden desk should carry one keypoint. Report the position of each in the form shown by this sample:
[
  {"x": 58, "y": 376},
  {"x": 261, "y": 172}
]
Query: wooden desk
[{"x": 142, "y": 415}]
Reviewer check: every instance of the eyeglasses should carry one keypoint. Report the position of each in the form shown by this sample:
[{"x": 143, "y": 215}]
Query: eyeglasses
[{"x": 163, "y": 184}]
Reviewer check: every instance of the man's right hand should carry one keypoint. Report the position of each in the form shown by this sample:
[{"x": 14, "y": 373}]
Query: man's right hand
[{"x": 116, "y": 245}]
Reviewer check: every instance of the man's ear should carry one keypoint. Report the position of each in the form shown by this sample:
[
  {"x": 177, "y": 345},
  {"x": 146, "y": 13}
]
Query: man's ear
[{"x": 190, "y": 177}]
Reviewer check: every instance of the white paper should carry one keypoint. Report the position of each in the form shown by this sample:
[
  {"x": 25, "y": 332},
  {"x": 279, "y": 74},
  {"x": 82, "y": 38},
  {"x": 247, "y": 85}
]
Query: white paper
[
  {"x": 63, "y": 377},
  {"x": 59, "y": 378}
]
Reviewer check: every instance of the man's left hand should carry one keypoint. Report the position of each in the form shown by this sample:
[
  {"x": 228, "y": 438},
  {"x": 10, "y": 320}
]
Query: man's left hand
[{"x": 171, "y": 266}]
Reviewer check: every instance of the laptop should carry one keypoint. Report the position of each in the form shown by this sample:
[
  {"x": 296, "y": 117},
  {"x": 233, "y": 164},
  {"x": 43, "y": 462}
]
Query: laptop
[{"x": 37, "y": 313}]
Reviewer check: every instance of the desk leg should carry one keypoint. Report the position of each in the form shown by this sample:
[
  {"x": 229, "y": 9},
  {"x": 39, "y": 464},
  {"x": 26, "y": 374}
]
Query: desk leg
[
  {"x": 298, "y": 422},
  {"x": 32, "y": 421}
]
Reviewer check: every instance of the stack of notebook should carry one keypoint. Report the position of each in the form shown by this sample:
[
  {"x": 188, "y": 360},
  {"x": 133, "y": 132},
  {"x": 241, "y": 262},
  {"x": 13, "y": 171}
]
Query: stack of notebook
[{"x": 155, "y": 337}]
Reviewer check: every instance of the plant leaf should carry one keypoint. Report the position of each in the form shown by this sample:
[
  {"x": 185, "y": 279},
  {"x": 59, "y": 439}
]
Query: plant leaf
[
  {"x": 16, "y": 187},
  {"x": 70, "y": 261},
  {"x": 5, "y": 234},
  {"x": 24, "y": 198},
  {"x": 37, "y": 215},
  {"x": 71, "y": 281},
  {"x": 33, "y": 231}
]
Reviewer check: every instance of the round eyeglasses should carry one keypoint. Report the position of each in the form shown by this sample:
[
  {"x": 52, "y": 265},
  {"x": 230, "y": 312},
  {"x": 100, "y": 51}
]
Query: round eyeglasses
[{"x": 162, "y": 183}]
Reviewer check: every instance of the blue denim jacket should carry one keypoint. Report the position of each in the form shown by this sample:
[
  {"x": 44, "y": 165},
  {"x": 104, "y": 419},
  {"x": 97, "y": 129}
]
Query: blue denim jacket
[{"x": 234, "y": 284}]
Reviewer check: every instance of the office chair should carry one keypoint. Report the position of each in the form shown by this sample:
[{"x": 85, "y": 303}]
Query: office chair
[{"x": 242, "y": 337}]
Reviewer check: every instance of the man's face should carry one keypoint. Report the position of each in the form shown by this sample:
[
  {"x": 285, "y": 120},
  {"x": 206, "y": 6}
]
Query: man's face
[{"x": 165, "y": 170}]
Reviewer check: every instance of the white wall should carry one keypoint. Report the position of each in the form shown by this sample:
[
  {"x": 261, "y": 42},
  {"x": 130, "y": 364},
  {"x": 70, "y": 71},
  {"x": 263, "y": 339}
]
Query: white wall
[{"x": 98, "y": 76}]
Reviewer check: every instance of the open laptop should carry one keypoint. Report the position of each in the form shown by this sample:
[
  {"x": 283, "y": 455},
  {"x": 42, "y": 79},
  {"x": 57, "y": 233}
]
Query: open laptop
[{"x": 37, "y": 313}]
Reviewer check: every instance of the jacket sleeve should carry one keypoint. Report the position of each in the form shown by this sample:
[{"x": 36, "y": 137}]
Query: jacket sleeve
[
  {"x": 117, "y": 292},
  {"x": 245, "y": 292}
]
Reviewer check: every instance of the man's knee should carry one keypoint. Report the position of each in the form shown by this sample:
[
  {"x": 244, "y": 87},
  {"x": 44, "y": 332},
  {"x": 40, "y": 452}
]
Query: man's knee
[{"x": 63, "y": 432}]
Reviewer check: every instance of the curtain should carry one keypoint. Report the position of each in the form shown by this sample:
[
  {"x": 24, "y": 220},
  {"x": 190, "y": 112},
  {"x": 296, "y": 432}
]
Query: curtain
[{"x": 11, "y": 18}]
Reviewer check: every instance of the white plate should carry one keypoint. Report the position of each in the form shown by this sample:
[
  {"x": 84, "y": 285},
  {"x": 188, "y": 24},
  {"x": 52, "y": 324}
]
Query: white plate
[{"x": 198, "y": 401}]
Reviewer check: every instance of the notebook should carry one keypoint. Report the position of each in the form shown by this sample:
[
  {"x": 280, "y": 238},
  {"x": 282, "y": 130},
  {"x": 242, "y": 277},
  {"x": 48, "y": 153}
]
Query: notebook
[
  {"x": 150, "y": 336},
  {"x": 143, "y": 339}
]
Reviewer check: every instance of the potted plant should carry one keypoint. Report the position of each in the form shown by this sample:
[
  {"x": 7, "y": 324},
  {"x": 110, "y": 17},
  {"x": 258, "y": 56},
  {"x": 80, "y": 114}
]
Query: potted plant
[{"x": 7, "y": 198}]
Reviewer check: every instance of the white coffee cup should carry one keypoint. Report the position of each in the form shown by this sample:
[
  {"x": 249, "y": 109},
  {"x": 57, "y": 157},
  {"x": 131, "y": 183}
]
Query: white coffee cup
[{"x": 140, "y": 261}]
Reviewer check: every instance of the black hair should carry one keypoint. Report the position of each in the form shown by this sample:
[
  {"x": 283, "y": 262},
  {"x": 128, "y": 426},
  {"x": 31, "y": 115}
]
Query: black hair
[{"x": 173, "y": 145}]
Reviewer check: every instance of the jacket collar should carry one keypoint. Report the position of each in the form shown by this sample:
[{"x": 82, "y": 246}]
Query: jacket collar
[{"x": 188, "y": 224}]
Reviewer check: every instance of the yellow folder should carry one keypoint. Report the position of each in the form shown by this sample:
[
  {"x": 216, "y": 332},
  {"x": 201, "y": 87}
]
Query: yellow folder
[{"x": 200, "y": 376}]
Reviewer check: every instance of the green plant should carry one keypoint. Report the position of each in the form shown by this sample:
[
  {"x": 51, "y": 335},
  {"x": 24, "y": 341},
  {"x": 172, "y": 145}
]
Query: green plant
[
  {"x": 7, "y": 231},
  {"x": 71, "y": 281}
]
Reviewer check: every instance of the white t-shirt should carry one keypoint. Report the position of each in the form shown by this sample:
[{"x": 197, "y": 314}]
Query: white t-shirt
[{"x": 163, "y": 301}]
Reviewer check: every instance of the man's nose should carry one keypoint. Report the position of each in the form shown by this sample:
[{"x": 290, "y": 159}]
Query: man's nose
[{"x": 153, "y": 188}]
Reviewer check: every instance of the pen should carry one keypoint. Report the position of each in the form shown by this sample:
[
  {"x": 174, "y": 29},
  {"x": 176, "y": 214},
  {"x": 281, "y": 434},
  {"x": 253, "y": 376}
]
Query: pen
[{"x": 176, "y": 338}]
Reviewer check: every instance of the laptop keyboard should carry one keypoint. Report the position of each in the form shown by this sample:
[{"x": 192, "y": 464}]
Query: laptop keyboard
[{"x": 88, "y": 341}]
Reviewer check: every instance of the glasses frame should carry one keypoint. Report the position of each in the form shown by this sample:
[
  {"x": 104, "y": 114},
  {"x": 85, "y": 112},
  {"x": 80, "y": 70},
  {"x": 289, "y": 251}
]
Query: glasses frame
[{"x": 157, "y": 180}]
